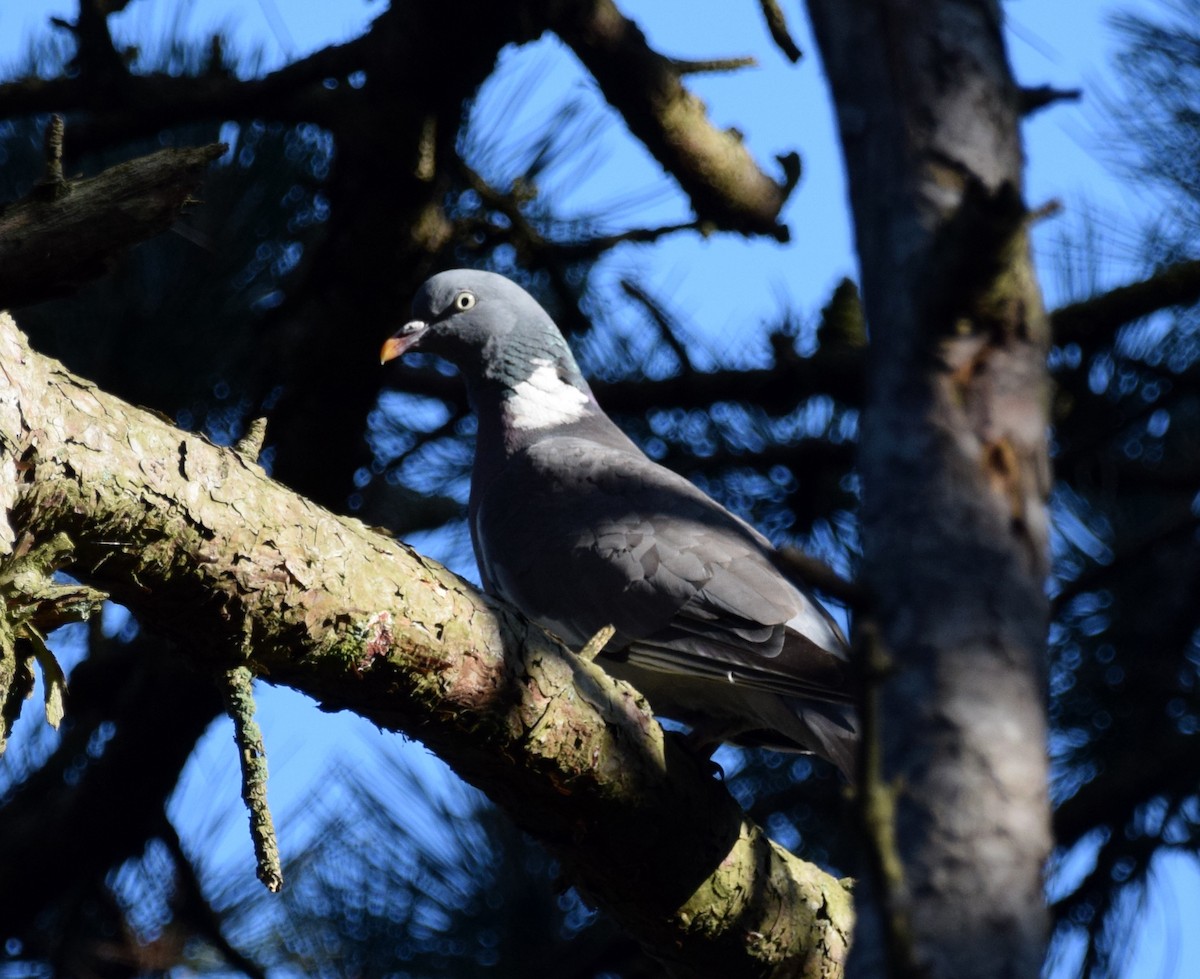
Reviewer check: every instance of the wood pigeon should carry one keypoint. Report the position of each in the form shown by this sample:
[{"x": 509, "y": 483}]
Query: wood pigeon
[{"x": 577, "y": 528}]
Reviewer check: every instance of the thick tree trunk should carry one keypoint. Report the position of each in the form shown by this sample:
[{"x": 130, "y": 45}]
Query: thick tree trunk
[
  {"x": 954, "y": 480},
  {"x": 208, "y": 550}
]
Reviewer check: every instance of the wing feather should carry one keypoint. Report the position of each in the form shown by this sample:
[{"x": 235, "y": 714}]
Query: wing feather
[{"x": 580, "y": 535}]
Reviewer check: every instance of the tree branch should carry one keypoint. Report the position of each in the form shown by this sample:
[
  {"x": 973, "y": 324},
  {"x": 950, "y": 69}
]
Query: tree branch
[
  {"x": 814, "y": 573},
  {"x": 1031, "y": 100},
  {"x": 713, "y": 167},
  {"x": 1128, "y": 553},
  {"x": 1130, "y": 778},
  {"x": 294, "y": 93},
  {"x": 207, "y": 549},
  {"x": 539, "y": 249},
  {"x": 712, "y": 65},
  {"x": 776, "y": 390},
  {"x": 777, "y": 25},
  {"x": 1098, "y": 318},
  {"x": 61, "y": 235}
]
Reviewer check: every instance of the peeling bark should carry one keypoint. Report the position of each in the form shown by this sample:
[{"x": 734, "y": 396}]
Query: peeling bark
[
  {"x": 955, "y": 475},
  {"x": 209, "y": 551}
]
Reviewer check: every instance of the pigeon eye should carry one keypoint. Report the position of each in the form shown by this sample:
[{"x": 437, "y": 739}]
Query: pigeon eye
[{"x": 464, "y": 300}]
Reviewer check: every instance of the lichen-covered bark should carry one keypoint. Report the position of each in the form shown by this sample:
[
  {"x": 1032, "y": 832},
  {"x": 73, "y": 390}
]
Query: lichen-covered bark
[
  {"x": 210, "y": 551},
  {"x": 954, "y": 471}
]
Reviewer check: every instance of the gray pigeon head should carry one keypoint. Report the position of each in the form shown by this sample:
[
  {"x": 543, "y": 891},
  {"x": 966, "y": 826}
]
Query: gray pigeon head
[{"x": 482, "y": 323}]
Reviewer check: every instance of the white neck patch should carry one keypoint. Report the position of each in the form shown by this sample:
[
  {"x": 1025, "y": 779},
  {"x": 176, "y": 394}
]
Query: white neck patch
[{"x": 544, "y": 400}]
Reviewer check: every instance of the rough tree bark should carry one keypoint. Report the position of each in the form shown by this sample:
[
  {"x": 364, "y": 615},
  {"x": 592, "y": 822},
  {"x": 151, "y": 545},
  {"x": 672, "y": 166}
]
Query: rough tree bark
[
  {"x": 209, "y": 551},
  {"x": 954, "y": 479}
]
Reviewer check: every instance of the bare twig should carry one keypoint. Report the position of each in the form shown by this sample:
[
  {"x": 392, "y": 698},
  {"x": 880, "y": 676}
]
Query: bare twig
[
  {"x": 777, "y": 25},
  {"x": 712, "y": 66},
  {"x": 1032, "y": 100},
  {"x": 250, "y": 445},
  {"x": 53, "y": 185},
  {"x": 591, "y": 649},
  {"x": 239, "y": 704}
]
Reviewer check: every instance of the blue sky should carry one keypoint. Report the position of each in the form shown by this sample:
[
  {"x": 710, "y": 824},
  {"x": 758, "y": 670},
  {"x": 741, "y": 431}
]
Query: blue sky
[{"x": 723, "y": 283}]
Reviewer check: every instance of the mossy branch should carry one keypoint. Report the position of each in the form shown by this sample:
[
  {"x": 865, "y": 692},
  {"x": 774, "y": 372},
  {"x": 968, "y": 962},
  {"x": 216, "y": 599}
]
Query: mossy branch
[
  {"x": 238, "y": 693},
  {"x": 34, "y": 604},
  {"x": 206, "y": 549}
]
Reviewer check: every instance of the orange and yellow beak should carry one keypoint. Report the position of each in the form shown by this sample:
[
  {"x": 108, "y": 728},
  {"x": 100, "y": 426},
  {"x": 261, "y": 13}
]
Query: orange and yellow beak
[{"x": 402, "y": 340}]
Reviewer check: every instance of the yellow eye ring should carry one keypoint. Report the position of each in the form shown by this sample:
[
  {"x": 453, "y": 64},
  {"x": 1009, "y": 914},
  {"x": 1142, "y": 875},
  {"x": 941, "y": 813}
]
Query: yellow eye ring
[{"x": 464, "y": 301}]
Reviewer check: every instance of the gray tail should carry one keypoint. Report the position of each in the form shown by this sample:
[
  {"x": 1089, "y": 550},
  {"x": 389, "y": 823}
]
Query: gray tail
[{"x": 835, "y": 733}]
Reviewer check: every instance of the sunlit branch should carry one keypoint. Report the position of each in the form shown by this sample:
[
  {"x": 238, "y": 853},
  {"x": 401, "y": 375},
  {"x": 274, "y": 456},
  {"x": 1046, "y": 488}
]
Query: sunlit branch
[
  {"x": 712, "y": 166},
  {"x": 777, "y": 25},
  {"x": 363, "y": 623},
  {"x": 712, "y": 66}
]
